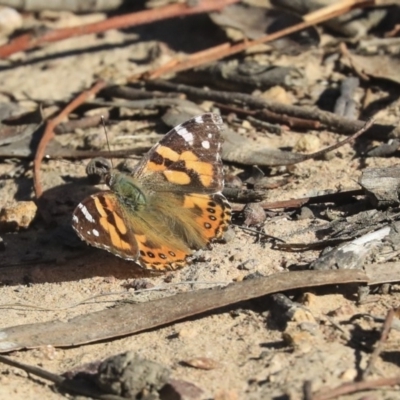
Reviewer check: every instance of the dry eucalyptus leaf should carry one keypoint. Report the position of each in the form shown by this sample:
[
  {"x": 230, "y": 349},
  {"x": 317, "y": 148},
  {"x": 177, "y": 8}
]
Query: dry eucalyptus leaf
[
  {"x": 244, "y": 21},
  {"x": 135, "y": 317},
  {"x": 379, "y": 66}
]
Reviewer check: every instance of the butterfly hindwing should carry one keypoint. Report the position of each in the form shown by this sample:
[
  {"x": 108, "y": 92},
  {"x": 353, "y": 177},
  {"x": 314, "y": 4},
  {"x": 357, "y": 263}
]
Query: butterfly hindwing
[{"x": 100, "y": 221}]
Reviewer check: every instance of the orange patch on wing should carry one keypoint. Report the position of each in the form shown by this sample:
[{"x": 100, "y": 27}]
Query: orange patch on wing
[
  {"x": 140, "y": 238},
  {"x": 153, "y": 167},
  {"x": 99, "y": 206},
  {"x": 212, "y": 223},
  {"x": 188, "y": 156},
  {"x": 115, "y": 237},
  {"x": 206, "y": 180},
  {"x": 167, "y": 152},
  {"x": 205, "y": 171},
  {"x": 120, "y": 224},
  {"x": 211, "y": 231},
  {"x": 162, "y": 257},
  {"x": 189, "y": 201},
  {"x": 177, "y": 177}
]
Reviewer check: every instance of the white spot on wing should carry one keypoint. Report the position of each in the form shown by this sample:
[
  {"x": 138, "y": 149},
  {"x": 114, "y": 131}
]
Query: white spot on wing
[
  {"x": 75, "y": 219},
  {"x": 188, "y": 136},
  {"x": 95, "y": 232},
  {"x": 86, "y": 213},
  {"x": 209, "y": 135},
  {"x": 205, "y": 144},
  {"x": 199, "y": 119}
]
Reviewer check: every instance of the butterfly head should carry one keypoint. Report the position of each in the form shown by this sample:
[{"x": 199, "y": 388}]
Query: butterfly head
[{"x": 97, "y": 170}]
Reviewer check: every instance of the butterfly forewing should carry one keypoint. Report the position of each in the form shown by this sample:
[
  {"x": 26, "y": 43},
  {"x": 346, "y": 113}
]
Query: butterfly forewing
[{"x": 187, "y": 159}]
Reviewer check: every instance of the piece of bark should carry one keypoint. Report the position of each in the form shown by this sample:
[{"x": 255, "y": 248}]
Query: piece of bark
[
  {"x": 351, "y": 227},
  {"x": 243, "y": 76},
  {"x": 132, "y": 318},
  {"x": 382, "y": 186},
  {"x": 351, "y": 255},
  {"x": 385, "y": 149},
  {"x": 383, "y": 273}
]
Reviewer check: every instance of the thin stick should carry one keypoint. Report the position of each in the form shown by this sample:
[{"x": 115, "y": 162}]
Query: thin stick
[
  {"x": 225, "y": 50},
  {"x": 382, "y": 340},
  {"x": 29, "y": 41},
  {"x": 328, "y": 120},
  {"x": 354, "y": 387},
  {"x": 49, "y": 132}
]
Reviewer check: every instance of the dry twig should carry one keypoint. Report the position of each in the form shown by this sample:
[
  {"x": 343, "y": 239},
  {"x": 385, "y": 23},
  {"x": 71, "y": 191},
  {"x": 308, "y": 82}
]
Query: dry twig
[
  {"x": 354, "y": 387},
  {"x": 225, "y": 50},
  {"x": 49, "y": 132},
  {"x": 325, "y": 198},
  {"x": 327, "y": 120},
  {"x": 382, "y": 340},
  {"x": 30, "y": 41}
]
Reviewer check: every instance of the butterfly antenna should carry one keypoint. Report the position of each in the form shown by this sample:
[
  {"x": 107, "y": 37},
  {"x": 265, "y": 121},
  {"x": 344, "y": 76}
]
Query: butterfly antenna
[{"x": 108, "y": 143}]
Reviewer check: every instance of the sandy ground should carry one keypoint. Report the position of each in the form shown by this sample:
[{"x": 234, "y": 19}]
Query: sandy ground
[{"x": 48, "y": 267}]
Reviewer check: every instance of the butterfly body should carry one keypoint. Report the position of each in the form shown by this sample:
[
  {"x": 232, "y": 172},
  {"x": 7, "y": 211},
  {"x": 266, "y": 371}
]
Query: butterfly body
[{"x": 170, "y": 205}]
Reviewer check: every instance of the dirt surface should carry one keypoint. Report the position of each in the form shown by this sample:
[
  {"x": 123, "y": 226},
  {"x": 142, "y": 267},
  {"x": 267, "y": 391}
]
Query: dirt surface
[{"x": 256, "y": 357}]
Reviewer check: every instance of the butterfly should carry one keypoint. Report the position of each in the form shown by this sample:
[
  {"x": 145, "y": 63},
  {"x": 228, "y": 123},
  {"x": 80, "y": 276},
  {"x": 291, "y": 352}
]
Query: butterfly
[{"x": 169, "y": 206}]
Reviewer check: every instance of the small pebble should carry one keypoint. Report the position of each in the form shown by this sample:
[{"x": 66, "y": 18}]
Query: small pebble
[
  {"x": 18, "y": 216},
  {"x": 254, "y": 214},
  {"x": 182, "y": 390},
  {"x": 308, "y": 144},
  {"x": 186, "y": 333}
]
